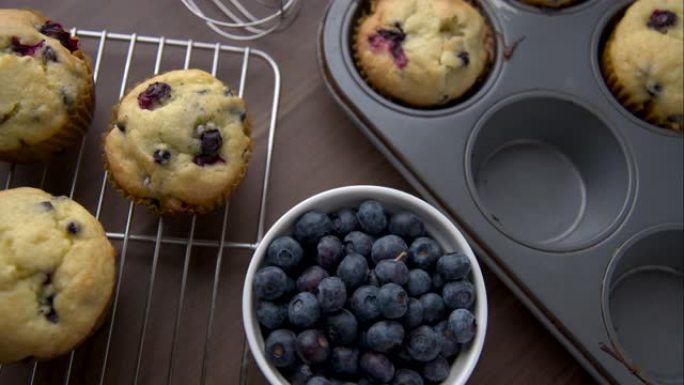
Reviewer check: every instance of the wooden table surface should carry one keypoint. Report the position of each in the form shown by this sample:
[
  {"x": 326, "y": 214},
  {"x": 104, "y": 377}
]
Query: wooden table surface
[{"x": 316, "y": 148}]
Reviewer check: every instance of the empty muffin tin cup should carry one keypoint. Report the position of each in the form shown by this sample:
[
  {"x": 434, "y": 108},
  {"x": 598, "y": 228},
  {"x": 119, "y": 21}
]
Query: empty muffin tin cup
[
  {"x": 547, "y": 172},
  {"x": 643, "y": 303}
]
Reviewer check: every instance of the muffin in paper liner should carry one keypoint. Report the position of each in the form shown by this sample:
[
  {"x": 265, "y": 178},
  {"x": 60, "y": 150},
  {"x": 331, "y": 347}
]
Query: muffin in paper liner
[
  {"x": 642, "y": 62},
  {"x": 58, "y": 276},
  {"x": 179, "y": 143},
  {"x": 48, "y": 94},
  {"x": 436, "y": 58}
]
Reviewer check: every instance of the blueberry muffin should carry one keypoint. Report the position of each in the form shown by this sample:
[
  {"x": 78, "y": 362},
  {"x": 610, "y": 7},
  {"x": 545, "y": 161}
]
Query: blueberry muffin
[
  {"x": 424, "y": 53},
  {"x": 179, "y": 142},
  {"x": 550, "y": 3},
  {"x": 47, "y": 93},
  {"x": 57, "y": 274},
  {"x": 642, "y": 61}
]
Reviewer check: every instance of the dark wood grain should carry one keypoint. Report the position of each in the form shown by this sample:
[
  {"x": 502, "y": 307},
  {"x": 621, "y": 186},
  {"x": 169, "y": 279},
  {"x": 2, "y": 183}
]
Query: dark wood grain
[{"x": 316, "y": 148}]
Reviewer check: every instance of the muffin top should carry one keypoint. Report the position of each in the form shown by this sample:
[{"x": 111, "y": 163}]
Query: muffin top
[
  {"x": 56, "y": 274},
  {"x": 43, "y": 75},
  {"x": 423, "y": 52},
  {"x": 646, "y": 52},
  {"x": 179, "y": 141}
]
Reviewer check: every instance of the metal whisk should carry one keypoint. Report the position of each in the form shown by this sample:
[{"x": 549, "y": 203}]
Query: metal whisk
[{"x": 242, "y": 22}]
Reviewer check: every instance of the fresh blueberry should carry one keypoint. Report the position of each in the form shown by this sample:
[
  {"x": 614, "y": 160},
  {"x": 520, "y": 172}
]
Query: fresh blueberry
[
  {"x": 392, "y": 300},
  {"x": 280, "y": 348},
  {"x": 342, "y": 328},
  {"x": 660, "y": 20},
  {"x": 423, "y": 344},
  {"x": 391, "y": 271},
  {"x": 310, "y": 278},
  {"x": 344, "y": 361},
  {"x": 371, "y": 217},
  {"x": 424, "y": 253},
  {"x": 364, "y": 303},
  {"x": 318, "y": 380},
  {"x": 388, "y": 247},
  {"x": 358, "y": 242},
  {"x": 383, "y": 336},
  {"x": 343, "y": 222},
  {"x": 407, "y": 377},
  {"x": 161, "y": 156},
  {"x": 406, "y": 225},
  {"x": 414, "y": 314},
  {"x": 270, "y": 283},
  {"x": 353, "y": 270},
  {"x": 449, "y": 346},
  {"x": 300, "y": 375},
  {"x": 303, "y": 310},
  {"x": 453, "y": 266},
  {"x": 436, "y": 370},
  {"x": 285, "y": 253},
  {"x": 458, "y": 294},
  {"x": 329, "y": 252},
  {"x": 463, "y": 325},
  {"x": 271, "y": 315},
  {"x": 377, "y": 366},
  {"x": 210, "y": 148},
  {"x": 332, "y": 294},
  {"x": 56, "y": 31},
  {"x": 437, "y": 282},
  {"x": 154, "y": 95},
  {"x": 312, "y": 347},
  {"x": 311, "y": 227},
  {"x": 433, "y": 307},
  {"x": 419, "y": 282}
]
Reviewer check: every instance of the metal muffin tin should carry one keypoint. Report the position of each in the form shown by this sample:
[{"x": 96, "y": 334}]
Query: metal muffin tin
[{"x": 573, "y": 201}]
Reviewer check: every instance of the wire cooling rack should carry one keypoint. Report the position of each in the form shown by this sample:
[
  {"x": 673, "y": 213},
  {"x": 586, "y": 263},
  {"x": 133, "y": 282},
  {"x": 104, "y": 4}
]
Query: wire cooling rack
[{"x": 95, "y": 357}]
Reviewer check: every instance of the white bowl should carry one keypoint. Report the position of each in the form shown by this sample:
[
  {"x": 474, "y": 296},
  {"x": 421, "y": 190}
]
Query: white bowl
[{"x": 437, "y": 226}]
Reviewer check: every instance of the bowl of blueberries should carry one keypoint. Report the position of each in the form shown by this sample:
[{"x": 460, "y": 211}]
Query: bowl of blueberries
[{"x": 364, "y": 285}]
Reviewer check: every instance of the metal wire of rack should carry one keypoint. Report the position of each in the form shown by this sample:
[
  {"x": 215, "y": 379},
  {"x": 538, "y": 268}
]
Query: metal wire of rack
[{"x": 102, "y": 38}]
